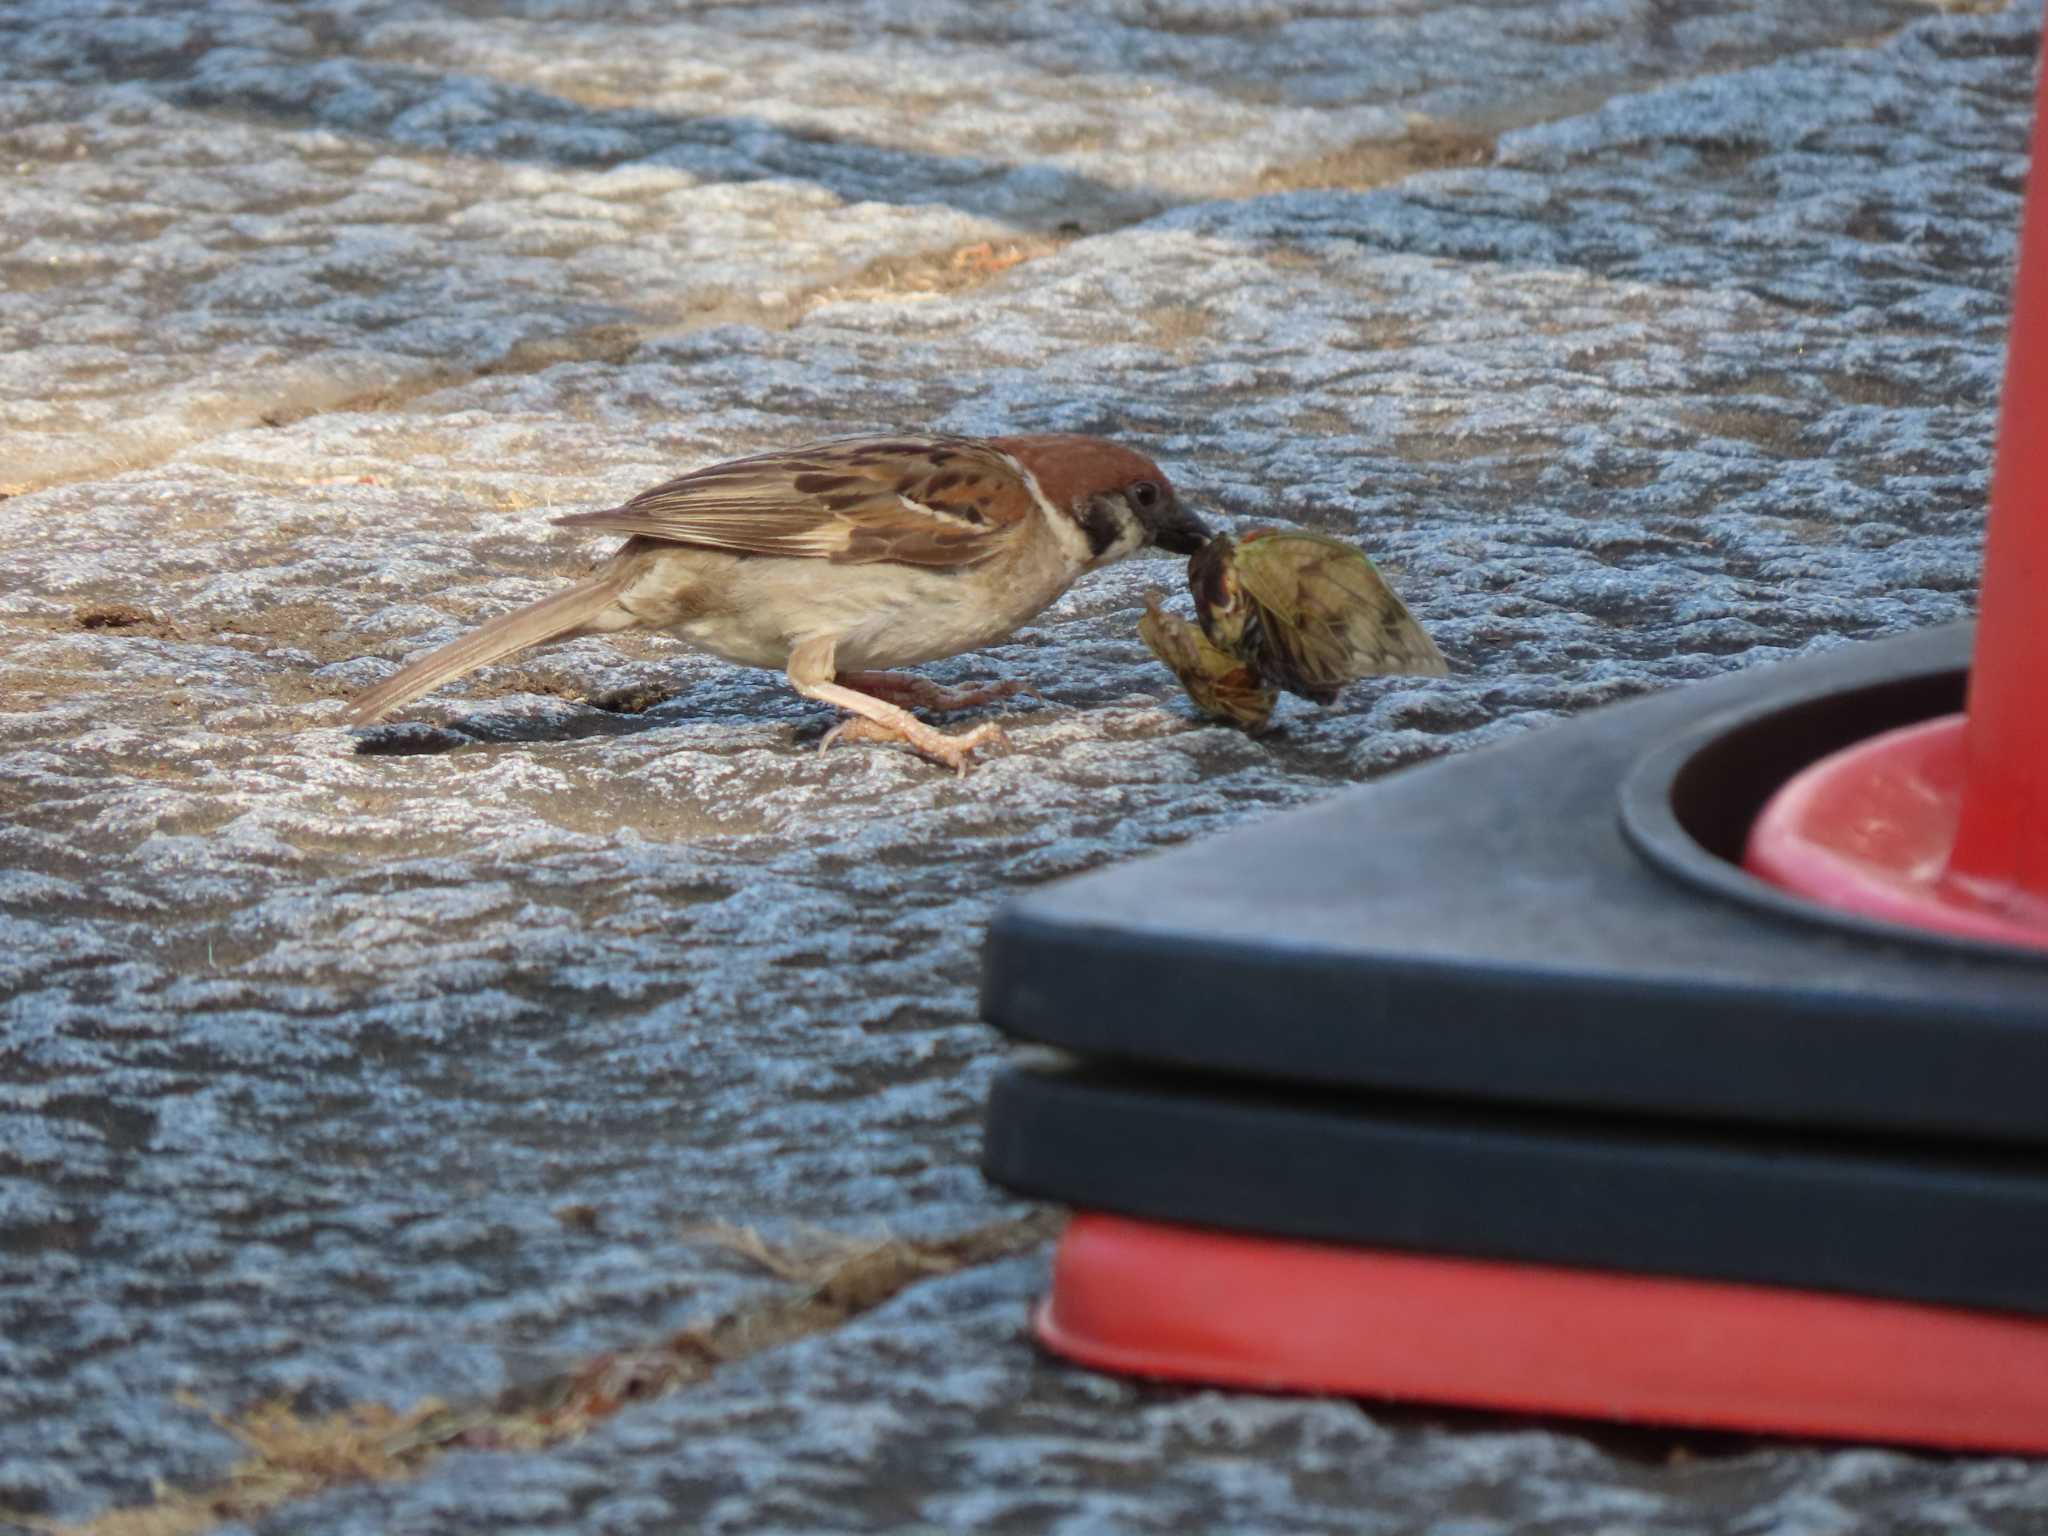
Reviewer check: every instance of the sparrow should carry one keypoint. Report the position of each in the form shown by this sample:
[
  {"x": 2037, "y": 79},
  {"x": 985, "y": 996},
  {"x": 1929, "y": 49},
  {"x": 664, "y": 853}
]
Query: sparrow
[
  {"x": 1281, "y": 610},
  {"x": 840, "y": 560}
]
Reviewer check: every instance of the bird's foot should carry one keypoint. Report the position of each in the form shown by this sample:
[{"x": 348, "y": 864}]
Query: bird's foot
[
  {"x": 953, "y": 752},
  {"x": 909, "y": 691}
]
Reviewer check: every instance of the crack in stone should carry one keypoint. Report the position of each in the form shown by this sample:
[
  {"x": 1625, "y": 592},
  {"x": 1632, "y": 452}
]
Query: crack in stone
[
  {"x": 1370, "y": 163},
  {"x": 292, "y": 1457}
]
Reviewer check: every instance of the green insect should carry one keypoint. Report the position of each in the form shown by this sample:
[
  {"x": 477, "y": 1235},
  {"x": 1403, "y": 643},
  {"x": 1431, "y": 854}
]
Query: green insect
[{"x": 1300, "y": 612}]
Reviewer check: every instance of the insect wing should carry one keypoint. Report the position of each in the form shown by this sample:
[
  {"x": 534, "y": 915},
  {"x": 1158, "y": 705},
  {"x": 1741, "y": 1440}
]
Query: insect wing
[
  {"x": 1329, "y": 616},
  {"x": 1220, "y": 685}
]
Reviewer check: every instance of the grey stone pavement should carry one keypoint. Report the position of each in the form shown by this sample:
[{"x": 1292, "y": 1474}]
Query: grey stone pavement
[{"x": 1642, "y": 339}]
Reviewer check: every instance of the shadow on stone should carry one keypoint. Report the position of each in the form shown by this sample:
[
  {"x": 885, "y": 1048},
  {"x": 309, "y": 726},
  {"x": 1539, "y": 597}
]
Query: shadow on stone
[
  {"x": 413, "y": 107},
  {"x": 417, "y": 738}
]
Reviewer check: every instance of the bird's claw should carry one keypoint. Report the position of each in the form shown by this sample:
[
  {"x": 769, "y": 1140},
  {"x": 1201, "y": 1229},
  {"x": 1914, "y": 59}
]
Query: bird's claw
[{"x": 955, "y": 752}]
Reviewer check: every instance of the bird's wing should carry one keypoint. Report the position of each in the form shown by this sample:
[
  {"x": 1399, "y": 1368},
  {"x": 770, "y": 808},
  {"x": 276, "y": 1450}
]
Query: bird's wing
[
  {"x": 1222, "y": 686},
  {"x": 927, "y": 501},
  {"x": 1330, "y": 612}
]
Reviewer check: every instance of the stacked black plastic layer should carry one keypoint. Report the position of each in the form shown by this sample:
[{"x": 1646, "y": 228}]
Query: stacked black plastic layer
[{"x": 1524, "y": 1005}]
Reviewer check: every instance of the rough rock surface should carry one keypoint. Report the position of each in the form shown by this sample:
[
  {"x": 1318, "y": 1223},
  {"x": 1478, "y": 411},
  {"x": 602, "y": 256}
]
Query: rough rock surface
[{"x": 388, "y": 1064}]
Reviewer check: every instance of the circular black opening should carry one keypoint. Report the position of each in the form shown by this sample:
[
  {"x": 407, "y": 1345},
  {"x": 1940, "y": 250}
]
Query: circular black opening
[{"x": 1688, "y": 805}]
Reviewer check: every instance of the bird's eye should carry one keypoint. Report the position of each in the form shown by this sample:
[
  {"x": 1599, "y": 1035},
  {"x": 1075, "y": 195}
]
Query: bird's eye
[{"x": 1143, "y": 495}]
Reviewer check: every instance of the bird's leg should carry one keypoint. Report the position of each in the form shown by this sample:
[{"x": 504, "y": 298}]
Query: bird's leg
[
  {"x": 853, "y": 728},
  {"x": 878, "y": 721},
  {"x": 811, "y": 674},
  {"x": 914, "y": 692}
]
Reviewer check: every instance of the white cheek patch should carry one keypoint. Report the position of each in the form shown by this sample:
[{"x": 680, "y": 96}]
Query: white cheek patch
[
  {"x": 1128, "y": 542},
  {"x": 1066, "y": 532}
]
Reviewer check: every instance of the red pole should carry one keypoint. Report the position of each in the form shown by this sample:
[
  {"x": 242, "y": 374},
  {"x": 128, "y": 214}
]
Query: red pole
[{"x": 2001, "y": 847}]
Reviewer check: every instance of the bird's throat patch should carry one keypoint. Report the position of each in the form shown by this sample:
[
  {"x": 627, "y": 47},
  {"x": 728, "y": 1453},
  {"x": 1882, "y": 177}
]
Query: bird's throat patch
[{"x": 1101, "y": 526}]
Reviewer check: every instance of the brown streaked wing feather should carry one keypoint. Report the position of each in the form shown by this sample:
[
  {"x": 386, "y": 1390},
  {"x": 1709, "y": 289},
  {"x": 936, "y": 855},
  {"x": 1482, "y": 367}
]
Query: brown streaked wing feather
[{"x": 911, "y": 500}]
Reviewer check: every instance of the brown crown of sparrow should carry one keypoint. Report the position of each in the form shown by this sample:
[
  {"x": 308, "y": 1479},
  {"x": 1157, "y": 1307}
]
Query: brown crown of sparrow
[{"x": 838, "y": 560}]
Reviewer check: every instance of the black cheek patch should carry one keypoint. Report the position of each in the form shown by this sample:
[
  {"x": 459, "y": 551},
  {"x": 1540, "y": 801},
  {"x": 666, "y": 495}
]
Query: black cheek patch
[{"x": 1101, "y": 527}]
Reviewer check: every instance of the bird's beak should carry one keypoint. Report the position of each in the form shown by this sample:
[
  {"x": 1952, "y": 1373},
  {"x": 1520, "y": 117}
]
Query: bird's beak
[{"x": 1177, "y": 530}]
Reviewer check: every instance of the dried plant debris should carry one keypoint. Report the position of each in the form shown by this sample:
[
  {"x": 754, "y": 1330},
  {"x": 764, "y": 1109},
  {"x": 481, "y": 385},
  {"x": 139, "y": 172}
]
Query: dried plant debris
[
  {"x": 634, "y": 698},
  {"x": 842, "y": 1264},
  {"x": 1427, "y": 146},
  {"x": 111, "y": 616},
  {"x": 939, "y": 272},
  {"x": 291, "y": 1456},
  {"x": 1284, "y": 612}
]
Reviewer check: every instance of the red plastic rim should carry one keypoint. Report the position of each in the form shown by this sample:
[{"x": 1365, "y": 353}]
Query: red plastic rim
[
  {"x": 1181, "y": 1303},
  {"x": 1872, "y": 828}
]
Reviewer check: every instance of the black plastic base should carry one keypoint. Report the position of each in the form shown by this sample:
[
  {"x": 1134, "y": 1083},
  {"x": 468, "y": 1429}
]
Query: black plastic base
[
  {"x": 1905, "y": 1222},
  {"x": 1482, "y": 929}
]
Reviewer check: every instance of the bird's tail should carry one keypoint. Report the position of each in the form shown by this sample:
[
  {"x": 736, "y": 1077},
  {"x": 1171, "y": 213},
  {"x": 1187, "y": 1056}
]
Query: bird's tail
[{"x": 552, "y": 618}]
